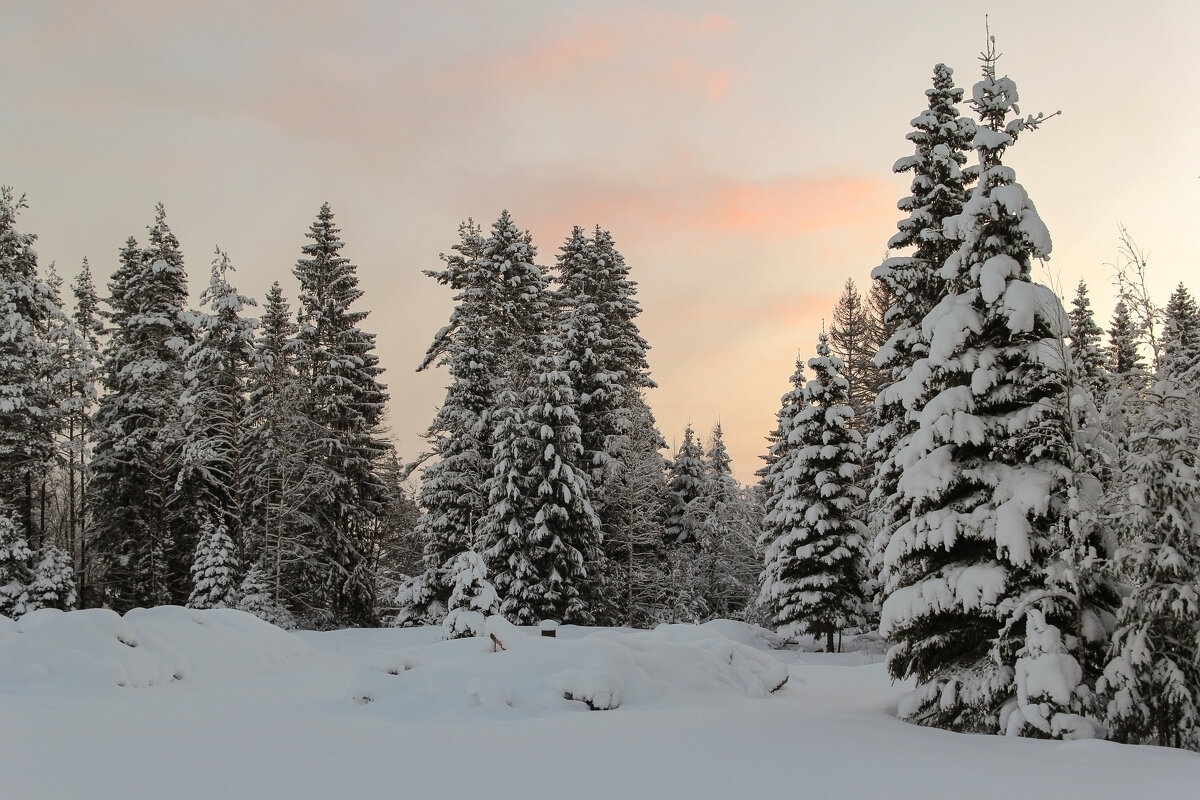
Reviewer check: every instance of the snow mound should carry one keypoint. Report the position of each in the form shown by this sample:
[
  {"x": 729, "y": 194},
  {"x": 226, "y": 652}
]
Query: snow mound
[
  {"x": 674, "y": 666},
  {"x": 97, "y": 648}
]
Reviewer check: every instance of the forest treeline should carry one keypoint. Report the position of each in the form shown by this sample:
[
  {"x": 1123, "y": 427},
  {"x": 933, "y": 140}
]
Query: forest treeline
[{"x": 1005, "y": 492}]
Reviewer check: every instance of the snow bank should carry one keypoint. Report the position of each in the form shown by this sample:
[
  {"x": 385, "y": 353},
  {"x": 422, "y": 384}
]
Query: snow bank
[
  {"x": 96, "y": 648},
  {"x": 674, "y": 666}
]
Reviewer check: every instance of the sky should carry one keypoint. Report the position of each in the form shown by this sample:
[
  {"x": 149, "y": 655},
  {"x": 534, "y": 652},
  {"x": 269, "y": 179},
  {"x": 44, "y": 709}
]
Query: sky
[{"x": 740, "y": 154}]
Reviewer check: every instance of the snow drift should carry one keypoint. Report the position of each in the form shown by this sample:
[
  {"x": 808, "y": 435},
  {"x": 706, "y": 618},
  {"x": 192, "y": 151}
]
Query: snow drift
[
  {"x": 673, "y": 666},
  {"x": 96, "y": 648}
]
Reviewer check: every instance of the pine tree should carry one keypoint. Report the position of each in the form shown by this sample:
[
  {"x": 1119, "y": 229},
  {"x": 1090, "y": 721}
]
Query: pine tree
[
  {"x": 812, "y": 582},
  {"x": 1180, "y": 350},
  {"x": 472, "y": 599},
  {"x": 213, "y": 412},
  {"x": 452, "y": 496},
  {"x": 215, "y": 569},
  {"x": 852, "y": 339},
  {"x": 605, "y": 360},
  {"x": 633, "y": 524},
  {"x": 984, "y": 473},
  {"x": 143, "y": 545},
  {"x": 541, "y": 532},
  {"x": 1084, "y": 348},
  {"x": 343, "y": 406},
  {"x": 685, "y": 483},
  {"x": 29, "y": 409},
  {"x": 1123, "y": 336},
  {"x": 914, "y": 283},
  {"x": 84, "y": 366},
  {"x": 1152, "y": 682},
  {"x": 280, "y": 474},
  {"x": 727, "y": 530},
  {"x": 16, "y": 566}
]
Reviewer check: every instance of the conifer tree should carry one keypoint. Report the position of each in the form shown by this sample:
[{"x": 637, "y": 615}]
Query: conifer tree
[
  {"x": 142, "y": 543},
  {"x": 852, "y": 339},
  {"x": 16, "y": 566},
  {"x": 605, "y": 360},
  {"x": 727, "y": 560},
  {"x": 941, "y": 139},
  {"x": 343, "y": 405},
  {"x": 1085, "y": 347},
  {"x": 280, "y": 474},
  {"x": 452, "y": 496},
  {"x": 1180, "y": 350},
  {"x": 29, "y": 409},
  {"x": 472, "y": 599},
  {"x": 541, "y": 532},
  {"x": 213, "y": 412},
  {"x": 1124, "y": 353},
  {"x": 1152, "y": 682},
  {"x": 987, "y": 465},
  {"x": 812, "y": 582},
  {"x": 685, "y": 484},
  {"x": 84, "y": 365},
  {"x": 215, "y": 568}
]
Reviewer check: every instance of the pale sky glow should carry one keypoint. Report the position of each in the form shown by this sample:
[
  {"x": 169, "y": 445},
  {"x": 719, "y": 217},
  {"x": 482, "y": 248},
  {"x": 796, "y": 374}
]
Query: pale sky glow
[{"x": 739, "y": 153}]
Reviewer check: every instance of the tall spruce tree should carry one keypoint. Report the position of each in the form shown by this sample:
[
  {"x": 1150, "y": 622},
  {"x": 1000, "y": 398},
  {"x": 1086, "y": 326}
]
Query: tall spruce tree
[
  {"x": 987, "y": 466},
  {"x": 1123, "y": 337},
  {"x": 280, "y": 474},
  {"x": 541, "y": 532},
  {"x": 685, "y": 483},
  {"x": 852, "y": 339},
  {"x": 813, "y": 541},
  {"x": 941, "y": 139},
  {"x": 84, "y": 365},
  {"x": 1180, "y": 350},
  {"x": 343, "y": 406},
  {"x": 29, "y": 406},
  {"x": 143, "y": 545},
  {"x": 1085, "y": 346},
  {"x": 213, "y": 409},
  {"x": 452, "y": 495}
]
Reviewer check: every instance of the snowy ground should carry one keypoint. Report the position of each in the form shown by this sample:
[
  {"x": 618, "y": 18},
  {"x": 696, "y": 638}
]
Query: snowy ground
[{"x": 217, "y": 704}]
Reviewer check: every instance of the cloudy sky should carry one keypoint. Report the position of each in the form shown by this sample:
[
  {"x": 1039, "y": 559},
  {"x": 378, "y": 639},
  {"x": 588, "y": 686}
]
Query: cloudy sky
[{"x": 739, "y": 152}]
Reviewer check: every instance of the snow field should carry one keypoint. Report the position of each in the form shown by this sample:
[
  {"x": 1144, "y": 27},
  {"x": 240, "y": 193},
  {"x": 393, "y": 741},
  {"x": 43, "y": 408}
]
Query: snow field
[{"x": 264, "y": 713}]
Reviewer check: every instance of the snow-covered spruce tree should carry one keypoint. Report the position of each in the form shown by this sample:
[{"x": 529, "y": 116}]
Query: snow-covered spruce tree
[
  {"x": 541, "y": 533},
  {"x": 216, "y": 571},
  {"x": 852, "y": 339},
  {"x": 83, "y": 373},
  {"x": 502, "y": 310},
  {"x": 812, "y": 582},
  {"x": 1123, "y": 337},
  {"x": 452, "y": 495},
  {"x": 343, "y": 404},
  {"x": 727, "y": 525},
  {"x": 1152, "y": 682},
  {"x": 605, "y": 359},
  {"x": 143, "y": 545},
  {"x": 685, "y": 483},
  {"x": 941, "y": 139},
  {"x": 29, "y": 409},
  {"x": 1180, "y": 350},
  {"x": 985, "y": 470},
  {"x": 1085, "y": 345},
  {"x": 16, "y": 566},
  {"x": 472, "y": 598},
  {"x": 213, "y": 410},
  {"x": 53, "y": 579}
]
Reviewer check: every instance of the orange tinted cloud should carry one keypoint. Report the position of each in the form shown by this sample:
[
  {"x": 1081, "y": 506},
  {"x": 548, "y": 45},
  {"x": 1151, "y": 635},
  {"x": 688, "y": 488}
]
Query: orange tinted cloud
[{"x": 773, "y": 209}]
